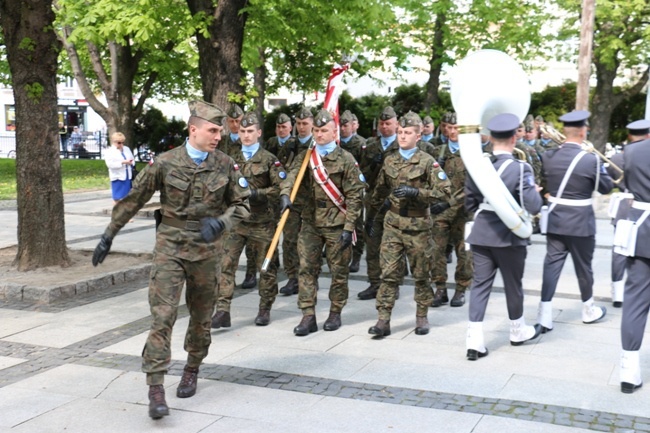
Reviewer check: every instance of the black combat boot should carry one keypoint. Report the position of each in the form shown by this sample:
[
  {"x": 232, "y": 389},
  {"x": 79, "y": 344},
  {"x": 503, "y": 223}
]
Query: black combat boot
[
  {"x": 381, "y": 328},
  {"x": 306, "y": 326},
  {"x": 369, "y": 293},
  {"x": 221, "y": 319},
  {"x": 250, "y": 281},
  {"x": 187, "y": 386},
  {"x": 291, "y": 288},
  {"x": 157, "y": 405}
]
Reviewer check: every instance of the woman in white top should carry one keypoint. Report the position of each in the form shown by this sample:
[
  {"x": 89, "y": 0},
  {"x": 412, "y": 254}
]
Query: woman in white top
[{"x": 120, "y": 162}]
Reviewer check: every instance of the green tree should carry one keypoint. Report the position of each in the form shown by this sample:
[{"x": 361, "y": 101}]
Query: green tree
[
  {"x": 30, "y": 41},
  {"x": 127, "y": 51}
]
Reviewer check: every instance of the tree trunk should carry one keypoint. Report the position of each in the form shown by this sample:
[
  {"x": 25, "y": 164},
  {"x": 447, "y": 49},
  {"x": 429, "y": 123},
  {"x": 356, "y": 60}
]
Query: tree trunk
[
  {"x": 584, "y": 57},
  {"x": 32, "y": 51},
  {"x": 435, "y": 63},
  {"x": 260, "y": 86},
  {"x": 603, "y": 104},
  {"x": 220, "y": 54}
]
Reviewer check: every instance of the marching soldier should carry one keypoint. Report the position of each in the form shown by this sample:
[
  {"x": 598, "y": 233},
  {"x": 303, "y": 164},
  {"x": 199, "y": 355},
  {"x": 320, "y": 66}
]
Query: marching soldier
[
  {"x": 202, "y": 195},
  {"x": 571, "y": 176},
  {"x": 528, "y": 145},
  {"x": 449, "y": 224},
  {"x": 376, "y": 151},
  {"x": 441, "y": 137},
  {"x": 355, "y": 126},
  {"x": 263, "y": 174},
  {"x": 332, "y": 205},
  {"x": 637, "y": 285},
  {"x": 494, "y": 246},
  {"x": 411, "y": 180},
  {"x": 428, "y": 128},
  {"x": 276, "y": 144},
  {"x": 353, "y": 143},
  {"x": 304, "y": 124}
]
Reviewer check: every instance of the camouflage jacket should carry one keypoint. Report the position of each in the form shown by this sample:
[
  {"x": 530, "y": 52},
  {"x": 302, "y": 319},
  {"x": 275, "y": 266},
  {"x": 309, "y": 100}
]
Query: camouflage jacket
[
  {"x": 541, "y": 148},
  {"x": 318, "y": 209},
  {"x": 354, "y": 146},
  {"x": 372, "y": 158},
  {"x": 533, "y": 158},
  {"x": 454, "y": 167},
  {"x": 264, "y": 173},
  {"x": 273, "y": 145},
  {"x": 188, "y": 193},
  {"x": 227, "y": 146},
  {"x": 427, "y": 147},
  {"x": 420, "y": 171}
]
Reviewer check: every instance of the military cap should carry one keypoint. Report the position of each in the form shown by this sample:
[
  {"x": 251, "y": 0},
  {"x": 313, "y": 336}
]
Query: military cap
[
  {"x": 235, "y": 111},
  {"x": 388, "y": 113},
  {"x": 529, "y": 127},
  {"x": 322, "y": 118},
  {"x": 446, "y": 116},
  {"x": 282, "y": 118},
  {"x": 427, "y": 120},
  {"x": 529, "y": 119},
  {"x": 452, "y": 119},
  {"x": 576, "y": 118},
  {"x": 346, "y": 117},
  {"x": 503, "y": 125},
  {"x": 639, "y": 127},
  {"x": 206, "y": 111},
  {"x": 355, "y": 118},
  {"x": 249, "y": 119},
  {"x": 539, "y": 118},
  {"x": 410, "y": 119},
  {"x": 304, "y": 113}
]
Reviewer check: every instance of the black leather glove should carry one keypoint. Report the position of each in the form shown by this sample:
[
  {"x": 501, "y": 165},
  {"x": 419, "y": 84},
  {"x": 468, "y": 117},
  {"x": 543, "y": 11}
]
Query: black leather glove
[
  {"x": 285, "y": 203},
  {"x": 157, "y": 215},
  {"x": 345, "y": 240},
  {"x": 437, "y": 208},
  {"x": 102, "y": 249},
  {"x": 211, "y": 228},
  {"x": 254, "y": 194},
  {"x": 369, "y": 228},
  {"x": 404, "y": 191}
]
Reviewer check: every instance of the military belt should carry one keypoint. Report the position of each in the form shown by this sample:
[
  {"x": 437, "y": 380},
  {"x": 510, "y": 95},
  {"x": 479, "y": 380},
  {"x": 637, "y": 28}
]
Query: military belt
[
  {"x": 191, "y": 225},
  {"x": 406, "y": 212}
]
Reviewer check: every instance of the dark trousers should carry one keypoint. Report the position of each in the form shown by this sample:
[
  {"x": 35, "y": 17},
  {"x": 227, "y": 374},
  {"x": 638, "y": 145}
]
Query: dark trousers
[
  {"x": 637, "y": 302},
  {"x": 510, "y": 261},
  {"x": 618, "y": 266},
  {"x": 582, "y": 252}
]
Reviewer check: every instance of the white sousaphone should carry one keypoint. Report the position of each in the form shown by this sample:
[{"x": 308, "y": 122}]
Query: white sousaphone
[{"x": 484, "y": 84}]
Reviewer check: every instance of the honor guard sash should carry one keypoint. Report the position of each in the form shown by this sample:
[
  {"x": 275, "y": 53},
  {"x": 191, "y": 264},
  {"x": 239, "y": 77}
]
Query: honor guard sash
[{"x": 331, "y": 190}]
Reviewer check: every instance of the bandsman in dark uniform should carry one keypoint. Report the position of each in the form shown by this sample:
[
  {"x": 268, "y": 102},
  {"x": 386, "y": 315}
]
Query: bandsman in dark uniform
[
  {"x": 353, "y": 143},
  {"x": 571, "y": 176},
  {"x": 411, "y": 180},
  {"x": 202, "y": 194},
  {"x": 449, "y": 218},
  {"x": 373, "y": 155},
  {"x": 263, "y": 174},
  {"x": 494, "y": 246},
  {"x": 332, "y": 204},
  {"x": 304, "y": 124},
  {"x": 637, "y": 284}
]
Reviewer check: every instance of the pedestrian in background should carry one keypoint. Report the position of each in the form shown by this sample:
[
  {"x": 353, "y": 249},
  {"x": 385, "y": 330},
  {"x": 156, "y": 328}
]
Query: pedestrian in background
[{"x": 120, "y": 163}]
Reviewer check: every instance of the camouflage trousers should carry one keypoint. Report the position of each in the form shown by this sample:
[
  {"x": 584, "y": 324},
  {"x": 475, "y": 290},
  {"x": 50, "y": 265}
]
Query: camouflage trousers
[
  {"x": 310, "y": 247},
  {"x": 357, "y": 249},
  {"x": 290, "y": 259},
  {"x": 251, "y": 259},
  {"x": 418, "y": 247},
  {"x": 168, "y": 275},
  {"x": 258, "y": 236},
  {"x": 373, "y": 248},
  {"x": 450, "y": 231}
]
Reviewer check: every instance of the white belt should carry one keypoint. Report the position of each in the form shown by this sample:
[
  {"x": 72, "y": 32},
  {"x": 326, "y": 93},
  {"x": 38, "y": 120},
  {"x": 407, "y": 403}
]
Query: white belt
[
  {"x": 640, "y": 205},
  {"x": 571, "y": 202},
  {"x": 486, "y": 206}
]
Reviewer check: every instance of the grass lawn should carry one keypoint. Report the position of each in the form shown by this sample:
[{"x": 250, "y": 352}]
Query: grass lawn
[{"x": 78, "y": 174}]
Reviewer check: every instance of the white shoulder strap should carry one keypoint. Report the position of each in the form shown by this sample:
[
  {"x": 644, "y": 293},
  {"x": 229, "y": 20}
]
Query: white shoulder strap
[{"x": 567, "y": 175}]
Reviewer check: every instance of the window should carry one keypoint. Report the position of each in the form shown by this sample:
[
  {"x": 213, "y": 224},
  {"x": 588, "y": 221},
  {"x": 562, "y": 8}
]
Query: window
[{"x": 10, "y": 117}]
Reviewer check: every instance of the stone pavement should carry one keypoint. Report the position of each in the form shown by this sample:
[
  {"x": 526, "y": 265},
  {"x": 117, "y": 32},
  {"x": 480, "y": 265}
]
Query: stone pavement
[{"x": 74, "y": 365}]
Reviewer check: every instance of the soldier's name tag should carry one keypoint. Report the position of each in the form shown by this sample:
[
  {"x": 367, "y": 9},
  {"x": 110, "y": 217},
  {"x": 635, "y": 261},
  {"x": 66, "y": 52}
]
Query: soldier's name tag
[{"x": 243, "y": 182}]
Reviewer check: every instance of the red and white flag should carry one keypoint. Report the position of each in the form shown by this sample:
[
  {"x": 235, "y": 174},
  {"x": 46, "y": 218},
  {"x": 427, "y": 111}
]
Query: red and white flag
[{"x": 334, "y": 89}]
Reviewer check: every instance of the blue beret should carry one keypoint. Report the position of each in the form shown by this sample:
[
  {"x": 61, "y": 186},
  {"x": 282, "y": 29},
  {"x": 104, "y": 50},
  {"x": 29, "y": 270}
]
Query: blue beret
[
  {"x": 639, "y": 127},
  {"x": 575, "y": 118},
  {"x": 503, "y": 125}
]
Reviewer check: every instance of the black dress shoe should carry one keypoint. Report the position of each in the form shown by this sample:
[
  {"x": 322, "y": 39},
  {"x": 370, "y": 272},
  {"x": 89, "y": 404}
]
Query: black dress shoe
[
  {"x": 369, "y": 293},
  {"x": 187, "y": 386},
  {"x": 458, "y": 300},
  {"x": 333, "y": 322},
  {"x": 291, "y": 288},
  {"x": 263, "y": 317},
  {"x": 221, "y": 319},
  {"x": 538, "y": 330},
  {"x": 381, "y": 328},
  {"x": 473, "y": 355},
  {"x": 157, "y": 405},
  {"x": 250, "y": 281},
  {"x": 306, "y": 326},
  {"x": 617, "y": 304},
  {"x": 629, "y": 388},
  {"x": 544, "y": 329},
  {"x": 421, "y": 326},
  {"x": 440, "y": 297}
]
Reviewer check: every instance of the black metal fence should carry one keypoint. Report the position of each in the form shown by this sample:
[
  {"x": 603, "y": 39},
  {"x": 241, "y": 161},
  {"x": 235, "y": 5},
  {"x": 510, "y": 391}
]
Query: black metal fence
[{"x": 91, "y": 146}]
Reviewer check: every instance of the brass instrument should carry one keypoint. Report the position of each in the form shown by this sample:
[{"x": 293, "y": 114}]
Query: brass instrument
[
  {"x": 520, "y": 154},
  {"x": 587, "y": 146}
]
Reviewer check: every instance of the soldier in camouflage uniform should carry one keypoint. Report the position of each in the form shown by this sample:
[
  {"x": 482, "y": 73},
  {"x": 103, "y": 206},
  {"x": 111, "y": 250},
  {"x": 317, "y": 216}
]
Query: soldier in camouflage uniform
[
  {"x": 373, "y": 155},
  {"x": 282, "y": 134},
  {"x": 325, "y": 224},
  {"x": 545, "y": 143},
  {"x": 294, "y": 146},
  {"x": 529, "y": 146},
  {"x": 412, "y": 181},
  {"x": 428, "y": 129},
  {"x": 201, "y": 195},
  {"x": 449, "y": 225},
  {"x": 263, "y": 173},
  {"x": 355, "y": 126},
  {"x": 353, "y": 143},
  {"x": 441, "y": 138}
]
